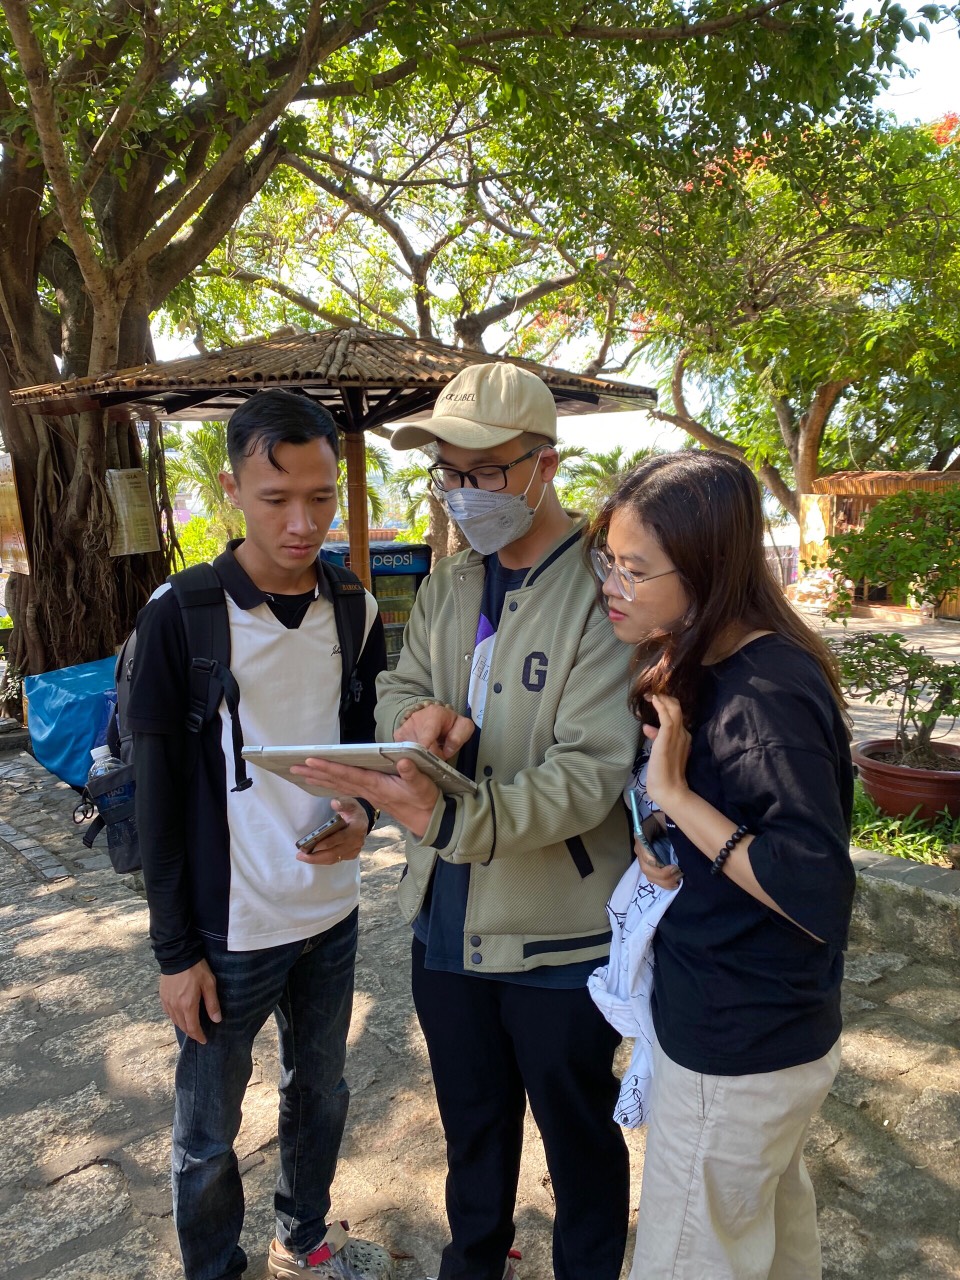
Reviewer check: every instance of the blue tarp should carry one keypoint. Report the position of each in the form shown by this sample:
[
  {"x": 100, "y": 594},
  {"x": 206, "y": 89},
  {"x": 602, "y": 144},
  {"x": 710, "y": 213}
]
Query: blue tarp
[{"x": 68, "y": 712}]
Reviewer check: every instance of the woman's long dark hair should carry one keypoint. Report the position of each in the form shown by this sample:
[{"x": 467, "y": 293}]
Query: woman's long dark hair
[{"x": 704, "y": 509}]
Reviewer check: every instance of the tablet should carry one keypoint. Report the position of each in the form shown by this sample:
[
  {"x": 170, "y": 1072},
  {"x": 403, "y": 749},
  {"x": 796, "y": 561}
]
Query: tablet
[{"x": 382, "y": 757}]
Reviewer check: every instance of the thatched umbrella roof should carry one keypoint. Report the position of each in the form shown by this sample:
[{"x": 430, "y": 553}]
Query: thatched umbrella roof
[
  {"x": 878, "y": 484},
  {"x": 363, "y": 377}
]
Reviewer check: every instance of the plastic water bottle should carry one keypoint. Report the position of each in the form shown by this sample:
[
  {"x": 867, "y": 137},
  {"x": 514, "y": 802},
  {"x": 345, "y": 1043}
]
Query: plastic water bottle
[{"x": 122, "y": 834}]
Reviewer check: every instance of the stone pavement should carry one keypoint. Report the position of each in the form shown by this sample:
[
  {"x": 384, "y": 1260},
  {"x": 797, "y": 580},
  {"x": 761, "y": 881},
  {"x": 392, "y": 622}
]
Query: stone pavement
[{"x": 86, "y": 1063}]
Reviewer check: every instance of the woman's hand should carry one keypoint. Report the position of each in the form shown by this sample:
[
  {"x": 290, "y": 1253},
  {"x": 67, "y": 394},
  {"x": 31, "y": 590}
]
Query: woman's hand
[
  {"x": 409, "y": 797},
  {"x": 667, "y": 766},
  {"x": 668, "y": 877}
]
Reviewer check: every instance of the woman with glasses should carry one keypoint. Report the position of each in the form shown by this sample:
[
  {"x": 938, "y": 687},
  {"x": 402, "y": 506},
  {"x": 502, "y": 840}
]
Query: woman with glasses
[{"x": 750, "y": 765}]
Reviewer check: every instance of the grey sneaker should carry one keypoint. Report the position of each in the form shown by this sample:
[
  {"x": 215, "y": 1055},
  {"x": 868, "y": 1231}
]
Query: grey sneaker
[{"x": 338, "y": 1256}]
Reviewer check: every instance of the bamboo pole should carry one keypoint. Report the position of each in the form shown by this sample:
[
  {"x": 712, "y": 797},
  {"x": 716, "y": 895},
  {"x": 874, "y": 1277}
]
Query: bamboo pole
[{"x": 357, "y": 531}]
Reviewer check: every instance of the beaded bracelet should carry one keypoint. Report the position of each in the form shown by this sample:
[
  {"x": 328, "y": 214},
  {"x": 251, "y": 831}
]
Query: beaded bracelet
[{"x": 717, "y": 865}]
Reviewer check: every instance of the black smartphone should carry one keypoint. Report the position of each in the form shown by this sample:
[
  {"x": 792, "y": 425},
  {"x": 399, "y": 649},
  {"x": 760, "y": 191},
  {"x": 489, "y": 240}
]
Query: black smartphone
[
  {"x": 641, "y": 835},
  {"x": 336, "y": 823}
]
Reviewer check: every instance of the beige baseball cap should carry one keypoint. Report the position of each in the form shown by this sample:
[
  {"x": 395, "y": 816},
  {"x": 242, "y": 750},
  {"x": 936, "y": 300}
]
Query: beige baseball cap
[{"x": 485, "y": 405}]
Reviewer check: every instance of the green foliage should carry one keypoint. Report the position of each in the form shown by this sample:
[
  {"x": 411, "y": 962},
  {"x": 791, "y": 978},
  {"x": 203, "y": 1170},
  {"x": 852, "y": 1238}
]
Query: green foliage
[
  {"x": 417, "y": 531},
  {"x": 590, "y": 478},
  {"x": 419, "y": 208},
  {"x": 910, "y": 541},
  {"x": 379, "y": 469},
  {"x": 410, "y": 485},
  {"x": 135, "y": 136},
  {"x": 805, "y": 278},
  {"x": 6, "y": 622},
  {"x": 202, "y": 539},
  {"x": 194, "y": 463},
  {"x": 881, "y": 667},
  {"x": 934, "y": 843}
]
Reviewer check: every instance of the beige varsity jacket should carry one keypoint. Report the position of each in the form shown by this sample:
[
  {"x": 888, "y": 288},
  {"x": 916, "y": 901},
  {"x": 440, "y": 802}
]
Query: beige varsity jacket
[{"x": 547, "y": 836}]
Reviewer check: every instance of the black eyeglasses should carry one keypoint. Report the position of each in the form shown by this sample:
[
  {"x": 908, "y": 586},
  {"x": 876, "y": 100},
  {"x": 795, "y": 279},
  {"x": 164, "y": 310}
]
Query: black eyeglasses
[{"x": 492, "y": 477}]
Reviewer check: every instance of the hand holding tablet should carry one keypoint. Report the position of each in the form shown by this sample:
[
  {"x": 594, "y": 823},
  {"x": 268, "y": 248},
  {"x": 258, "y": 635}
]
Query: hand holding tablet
[
  {"x": 379, "y": 757},
  {"x": 401, "y": 777}
]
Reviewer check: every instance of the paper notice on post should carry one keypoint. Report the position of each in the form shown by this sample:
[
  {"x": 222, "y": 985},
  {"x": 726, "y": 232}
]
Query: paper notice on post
[
  {"x": 13, "y": 538},
  {"x": 135, "y": 532}
]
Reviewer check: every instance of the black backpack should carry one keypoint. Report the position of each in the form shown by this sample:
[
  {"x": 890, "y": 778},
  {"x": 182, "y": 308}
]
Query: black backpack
[{"x": 203, "y": 608}]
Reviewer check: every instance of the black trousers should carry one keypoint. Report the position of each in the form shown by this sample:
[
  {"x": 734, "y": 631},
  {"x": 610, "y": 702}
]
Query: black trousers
[{"x": 491, "y": 1045}]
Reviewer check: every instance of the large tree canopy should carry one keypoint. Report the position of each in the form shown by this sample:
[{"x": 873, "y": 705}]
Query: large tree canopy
[
  {"x": 810, "y": 296},
  {"x": 414, "y": 227},
  {"x": 134, "y": 134}
]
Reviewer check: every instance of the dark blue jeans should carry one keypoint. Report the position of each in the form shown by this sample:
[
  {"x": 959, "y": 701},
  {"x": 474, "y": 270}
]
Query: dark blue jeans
[{"x": 308, "y": 987}]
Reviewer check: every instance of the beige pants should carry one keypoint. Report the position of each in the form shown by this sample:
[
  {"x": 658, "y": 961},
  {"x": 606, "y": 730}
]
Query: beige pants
[{"x": 726, "y": 1195}]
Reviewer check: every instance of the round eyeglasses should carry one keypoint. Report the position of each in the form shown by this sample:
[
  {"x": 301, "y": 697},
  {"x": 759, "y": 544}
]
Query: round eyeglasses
[
  {"x": 492, "y": 478},
  {"x": 626, "y": 581}
]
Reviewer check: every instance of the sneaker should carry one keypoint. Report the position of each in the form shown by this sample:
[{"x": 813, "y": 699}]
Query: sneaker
[{"x": 338, "y": 1256}]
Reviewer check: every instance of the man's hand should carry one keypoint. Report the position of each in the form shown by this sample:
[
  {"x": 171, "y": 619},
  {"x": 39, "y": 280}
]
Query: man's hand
[
  {"x": 342, "y": 845},
  {"x": 410, "y": 797},
  {"x": 438, "y": 728},
  {"x": 181, "y": 995}
]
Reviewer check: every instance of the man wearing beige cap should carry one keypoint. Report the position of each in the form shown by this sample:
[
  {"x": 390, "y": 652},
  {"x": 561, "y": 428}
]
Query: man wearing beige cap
[{"x": 510, "y": 670}]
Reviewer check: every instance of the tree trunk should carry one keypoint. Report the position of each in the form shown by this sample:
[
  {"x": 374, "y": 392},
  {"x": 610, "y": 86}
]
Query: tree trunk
[
  {"x": 78, "y": 602},
  {"x": 809, "y": 438},
  {"x": 437, "y": 534}
]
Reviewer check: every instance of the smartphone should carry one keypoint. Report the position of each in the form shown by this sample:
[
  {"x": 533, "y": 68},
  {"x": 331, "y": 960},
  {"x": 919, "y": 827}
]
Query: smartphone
[
  {"x": 641, "y": 835},
  {"x": 336, "y": 823}
]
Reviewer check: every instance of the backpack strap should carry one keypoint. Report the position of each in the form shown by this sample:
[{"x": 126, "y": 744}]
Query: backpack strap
[
  {"x": 350, "y": 611},
  {"x": 203, "y": 608}
]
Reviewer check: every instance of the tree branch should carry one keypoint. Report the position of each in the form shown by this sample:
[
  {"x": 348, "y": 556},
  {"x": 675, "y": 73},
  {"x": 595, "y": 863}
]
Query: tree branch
[
  {"x": 44, "y": 113},
  {"x": 359, "y": 203},
  {"x": 469, "y": 328},
  {"x": 88, "y": 61},
  {"x": 174, "y": 262},
  {"x": 812, "y": 425},
  {"x": 684, "y": 419},
  {"x": 168, "y": 195},
  {"x": 146, "y": 73},
  {"x": 576, "y": 31},
  {"x": 788, "y": 429},
  {"x": 388, "y": 316},
  {"x": 599, "y": 360},
  {"x": 282, "y": 290},
  {"x": 320, "y": 40}
]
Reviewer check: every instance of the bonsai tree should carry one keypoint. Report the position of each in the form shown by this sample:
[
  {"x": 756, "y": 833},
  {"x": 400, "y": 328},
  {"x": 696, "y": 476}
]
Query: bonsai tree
[
  {"x": 881, "y": 667},
  {"x": 910, "y": 541}
]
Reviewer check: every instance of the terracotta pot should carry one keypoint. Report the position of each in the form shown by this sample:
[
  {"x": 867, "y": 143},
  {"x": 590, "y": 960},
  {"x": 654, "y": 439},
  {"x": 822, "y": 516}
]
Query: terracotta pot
[{"x": 898, "y": 789}]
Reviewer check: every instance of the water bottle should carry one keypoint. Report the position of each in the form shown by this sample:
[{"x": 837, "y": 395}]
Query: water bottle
[{"x": 121, "y": 826}]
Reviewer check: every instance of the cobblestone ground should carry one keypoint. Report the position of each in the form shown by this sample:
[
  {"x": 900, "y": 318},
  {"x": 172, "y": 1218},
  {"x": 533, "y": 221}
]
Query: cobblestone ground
[{"x": 86, "y": 1063}]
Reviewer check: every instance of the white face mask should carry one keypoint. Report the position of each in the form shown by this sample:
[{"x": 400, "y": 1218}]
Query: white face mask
[{"x": 491, "y": 521}]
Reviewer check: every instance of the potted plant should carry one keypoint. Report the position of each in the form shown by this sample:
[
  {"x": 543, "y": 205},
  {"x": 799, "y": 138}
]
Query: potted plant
[
  {"x": 910, "y": 541},
  {"x": 912, "y": 772}
]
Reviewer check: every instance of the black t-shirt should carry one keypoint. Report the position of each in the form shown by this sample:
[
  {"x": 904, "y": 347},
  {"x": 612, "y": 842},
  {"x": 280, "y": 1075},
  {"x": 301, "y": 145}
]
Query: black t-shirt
[{"x": 737, "y": 988}]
